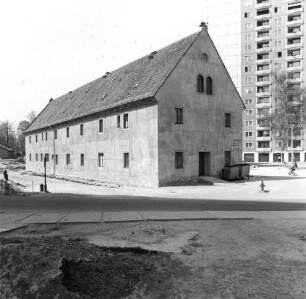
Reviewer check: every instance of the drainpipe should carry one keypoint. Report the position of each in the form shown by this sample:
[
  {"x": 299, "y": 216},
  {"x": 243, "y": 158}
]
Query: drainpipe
[{"x": 54, "y": 164}]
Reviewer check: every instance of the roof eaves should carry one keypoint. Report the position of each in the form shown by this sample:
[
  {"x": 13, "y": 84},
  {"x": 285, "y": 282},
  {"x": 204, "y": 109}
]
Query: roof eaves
[{"x": 116, "y": 105}]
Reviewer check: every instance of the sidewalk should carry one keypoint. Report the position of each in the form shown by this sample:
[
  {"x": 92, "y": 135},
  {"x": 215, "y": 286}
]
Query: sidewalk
[
  {"x": 11, "y": 221},
  {"x": 278, "y": 185}
]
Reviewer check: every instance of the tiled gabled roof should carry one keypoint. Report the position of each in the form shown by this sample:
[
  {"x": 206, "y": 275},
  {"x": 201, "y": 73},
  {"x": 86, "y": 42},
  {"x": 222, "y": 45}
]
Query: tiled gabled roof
[{"x": 137, "y": 80}]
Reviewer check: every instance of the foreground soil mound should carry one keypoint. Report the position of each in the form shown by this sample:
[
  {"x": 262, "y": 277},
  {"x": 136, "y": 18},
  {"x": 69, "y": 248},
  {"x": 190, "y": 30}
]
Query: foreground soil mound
[{"x": 55, "y": 267}]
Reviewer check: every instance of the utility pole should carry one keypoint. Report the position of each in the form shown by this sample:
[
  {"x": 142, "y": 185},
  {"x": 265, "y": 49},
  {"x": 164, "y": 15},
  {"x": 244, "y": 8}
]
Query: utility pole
[{"x": 45, "y": 166}]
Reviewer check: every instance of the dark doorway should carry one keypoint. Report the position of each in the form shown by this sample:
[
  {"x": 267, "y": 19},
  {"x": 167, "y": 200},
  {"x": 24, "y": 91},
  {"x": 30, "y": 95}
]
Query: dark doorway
[
  {"x": 263, "y": 157},
  {"x": 277, "y": 157},
  {"x": 204, "y": 163}
]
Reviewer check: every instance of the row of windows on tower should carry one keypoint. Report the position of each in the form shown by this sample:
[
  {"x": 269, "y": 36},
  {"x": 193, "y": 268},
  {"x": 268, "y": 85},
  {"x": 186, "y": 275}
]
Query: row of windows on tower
[{"x": 201, "y": 85}]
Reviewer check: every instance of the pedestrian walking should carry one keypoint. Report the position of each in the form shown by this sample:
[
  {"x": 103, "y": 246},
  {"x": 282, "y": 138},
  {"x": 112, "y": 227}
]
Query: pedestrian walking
[
  {"x": 295, "y": 164},
  {"x": 5, "y": 175}
]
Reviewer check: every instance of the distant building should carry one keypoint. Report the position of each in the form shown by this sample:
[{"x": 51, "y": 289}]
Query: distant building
[
  {"x": 170, "y": 116},
  {"x": 255, "y": 38},
  {"x": 6, "y": 152}
]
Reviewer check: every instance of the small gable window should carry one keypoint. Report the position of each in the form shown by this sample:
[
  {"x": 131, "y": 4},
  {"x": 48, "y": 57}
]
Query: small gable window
[
  {"x": 209, "y": 85},
  {"x": 200, "y": 83}
]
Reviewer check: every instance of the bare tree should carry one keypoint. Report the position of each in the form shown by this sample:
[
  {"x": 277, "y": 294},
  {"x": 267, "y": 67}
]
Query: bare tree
[
  {"x": 7, "y": 134},
  {"x": 287, "y": 118},
  {"x": 22, "y": 126},
  {"x": 31, "y": 116}
]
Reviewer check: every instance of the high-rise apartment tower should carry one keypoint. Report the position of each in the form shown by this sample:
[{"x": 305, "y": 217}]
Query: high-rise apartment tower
[{"x": 256, "y": 38}]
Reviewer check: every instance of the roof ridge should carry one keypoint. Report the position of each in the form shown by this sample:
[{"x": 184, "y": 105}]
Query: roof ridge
[{"x": 131, "y": 82}]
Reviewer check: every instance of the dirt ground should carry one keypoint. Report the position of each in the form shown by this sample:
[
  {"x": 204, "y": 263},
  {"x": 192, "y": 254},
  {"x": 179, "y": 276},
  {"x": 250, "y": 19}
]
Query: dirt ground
[{"x": 183, "y": 259}]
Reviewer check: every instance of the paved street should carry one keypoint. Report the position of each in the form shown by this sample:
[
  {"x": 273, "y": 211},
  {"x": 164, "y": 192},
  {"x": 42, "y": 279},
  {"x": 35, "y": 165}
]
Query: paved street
[
  {"x": 71, "y": 202},
  {"x": 91, "y": 203}
]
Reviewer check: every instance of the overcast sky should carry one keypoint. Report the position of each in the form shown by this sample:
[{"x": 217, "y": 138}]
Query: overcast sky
[{"x": 51, "y": 47}]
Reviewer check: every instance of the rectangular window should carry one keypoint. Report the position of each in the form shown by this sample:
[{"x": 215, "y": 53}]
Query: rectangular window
[
  {"x": 82, "y": 159},
  {"x": 248, "y": 79},
  {"x": 29, "y": 139},
  {"x": 263, "y": 56},
  {"x": 67, "y": 132},
  {"x": 248, "y": 90},
  {"x": 249, "y": 144},
  {"x": 263, "y": 133},
  {"x": 263, "y": 144},
  {"x": 247, "y": 58},
  {"x": 41, "y": 157},
  {"x": 248, "y": 25},
  {"x": 263, "y": 33},
  {"x": 47, "y": 157},
  {"x": 126, "y": 160},
  {"x": 249, "y": 101},
  {"x": 278, "y": 21},
  {"x": 67, "y": 159},
  {"x": 263, "y": 123},
  {"x": 247, "y": 69},
  {"x": 294, "y": 18},
  {"x": 125, "y": 121},
  {"x": 294, "y": 63},
  {"x": 278, "y": 31},
  {"x": 263, "y": 100},
  {"x": 294, "y": 52},
  {"x": 263, "y": 45},
  {"x": 295, "y": 75},
  {"x": 261, "y": 12},
  {"x": 249, "y": 123},
  {"x": 248, "y": 36},
  {"x": 262, "y": 67},
  {"x": 249, "y": 112},
  {"x": 294, "y": 29},
  {"x": 101, "y": 160},
  {"x": 263, "y": 89},
  {"x": 247, "y": 47},
  {"x": 227, "y": 119},
  {"x": 46, "y": 136},
  {"x": 36, "y": 138},
  {"x": 262, "y": 23},
  {"x": 278, "y": 65},
  {"x": 248, "y": 157},
  {"x": 101, "y": 125},
  {"x": 55, "y": 134},
  {"x": 278, "y": 43},
  {"x": 118, "y": 121},
  {"x": 227, "y": 158},
  {"x": 249, "y": 134},
  {"x": 263, "y": 78},
  {"x": 30, "y": 157},
  {"x": 56, "y": 159},
  {"x": 81, "y": 129},
  {"x": 179, "y": 115},
  {"x": 279, "y": 54},
  {"x": 179, "y": 160},
  {"x": 42, "y": 136},
  {"x": 294, "y": 5},
  {"x": 36, "y": 157}
]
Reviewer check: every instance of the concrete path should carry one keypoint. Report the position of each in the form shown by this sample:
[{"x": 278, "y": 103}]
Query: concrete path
[{"x": 11, "y": 221}]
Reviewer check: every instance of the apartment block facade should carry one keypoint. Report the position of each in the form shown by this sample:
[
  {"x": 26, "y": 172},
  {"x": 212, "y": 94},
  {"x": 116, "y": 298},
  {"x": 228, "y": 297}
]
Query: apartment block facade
[{"x": 272, "y": 36}]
